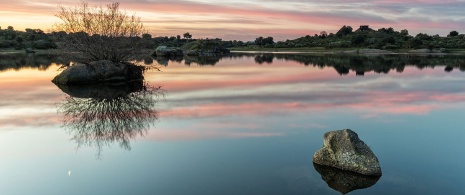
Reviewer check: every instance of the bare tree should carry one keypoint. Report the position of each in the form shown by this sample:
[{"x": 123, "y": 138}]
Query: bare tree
[{"x": 100, "y": 32}]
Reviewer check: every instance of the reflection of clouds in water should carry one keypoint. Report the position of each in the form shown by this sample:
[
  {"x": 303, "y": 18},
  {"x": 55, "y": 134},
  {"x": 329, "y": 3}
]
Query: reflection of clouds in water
[
  {"x": 404, "y": 184},
  {"x": 301, "y": 180},
  {"x": 373, "y": 95},
  {"x": 210, "y": 130}
]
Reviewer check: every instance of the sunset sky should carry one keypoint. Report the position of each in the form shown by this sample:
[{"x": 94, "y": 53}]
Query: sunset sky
[{"x": 246, "y": 20}]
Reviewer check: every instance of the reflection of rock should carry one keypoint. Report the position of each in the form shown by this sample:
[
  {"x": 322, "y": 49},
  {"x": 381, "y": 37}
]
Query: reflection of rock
[
  {"x": 202, "y": 60},
  {"x": 98, "y": 72},
  {"x": 345, "y": 181},
  {"x": 102, "y": 90},
  {"x": 95, "y": 119},
  {"x": 344, "y": 150}
]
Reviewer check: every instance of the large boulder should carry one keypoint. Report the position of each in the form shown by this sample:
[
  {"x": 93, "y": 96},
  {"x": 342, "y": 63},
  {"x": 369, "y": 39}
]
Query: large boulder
[
  {"x": 99, "y": 72},
  {"x": 343, "y": 149},
  {"x": 204, "y": 47},
  {"x": 164, "y": 51}
]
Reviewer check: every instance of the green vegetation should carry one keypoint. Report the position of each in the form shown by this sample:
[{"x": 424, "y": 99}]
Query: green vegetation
[
  {"x": 347, "y": 38},
  {"x": 30, "y": 38}
]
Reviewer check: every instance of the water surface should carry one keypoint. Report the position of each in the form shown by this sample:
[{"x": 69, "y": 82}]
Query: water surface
[{"x": 242, "y": 124}]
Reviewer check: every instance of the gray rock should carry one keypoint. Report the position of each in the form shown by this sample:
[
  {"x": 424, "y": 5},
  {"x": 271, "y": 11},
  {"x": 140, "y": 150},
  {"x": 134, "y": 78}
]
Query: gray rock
[
  {"x": 99, "y": 72},
  {"x": 163, "y": 51},
  {"x": 343, "y": 149}
]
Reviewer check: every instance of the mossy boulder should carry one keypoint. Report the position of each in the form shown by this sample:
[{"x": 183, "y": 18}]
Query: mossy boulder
[{"x": 344, "y": 150}]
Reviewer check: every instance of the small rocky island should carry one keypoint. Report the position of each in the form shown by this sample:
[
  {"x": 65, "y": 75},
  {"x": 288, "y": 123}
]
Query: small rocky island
[
  {"x": 343, "y": 149},
  {"x": 99, "y": 72}
]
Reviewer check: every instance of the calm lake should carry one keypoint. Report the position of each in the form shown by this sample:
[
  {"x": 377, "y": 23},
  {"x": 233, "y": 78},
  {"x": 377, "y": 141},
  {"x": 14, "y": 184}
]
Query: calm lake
[{"x": 241, "y": 124}]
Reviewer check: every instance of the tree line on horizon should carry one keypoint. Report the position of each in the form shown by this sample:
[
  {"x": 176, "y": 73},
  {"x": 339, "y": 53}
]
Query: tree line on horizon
[
  {"x": 345, "y": 37},
  {"x": 365, "y": 37}
]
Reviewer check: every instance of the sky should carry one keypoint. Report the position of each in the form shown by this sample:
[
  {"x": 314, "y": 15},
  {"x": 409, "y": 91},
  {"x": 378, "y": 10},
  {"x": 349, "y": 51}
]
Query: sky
[{"x": 246, "y": 20}]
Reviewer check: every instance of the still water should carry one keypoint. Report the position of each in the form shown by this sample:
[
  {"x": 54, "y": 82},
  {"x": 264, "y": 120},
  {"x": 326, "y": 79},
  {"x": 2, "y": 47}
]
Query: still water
[{"x": 242, "y": 124}]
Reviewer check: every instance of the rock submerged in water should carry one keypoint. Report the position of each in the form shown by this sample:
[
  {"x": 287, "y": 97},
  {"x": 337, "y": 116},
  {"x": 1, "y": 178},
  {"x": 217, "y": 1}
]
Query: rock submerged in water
[
  {"x": 99, "y": 72},
  {"x": 343, "y": 149}
]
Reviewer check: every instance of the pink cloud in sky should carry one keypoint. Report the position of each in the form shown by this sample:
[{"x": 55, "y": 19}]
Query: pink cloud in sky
[{"x": 246, "y": 20}]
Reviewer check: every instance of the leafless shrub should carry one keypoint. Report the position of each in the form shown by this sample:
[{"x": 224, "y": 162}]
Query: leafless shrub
[{"x": 99, "y": 32}]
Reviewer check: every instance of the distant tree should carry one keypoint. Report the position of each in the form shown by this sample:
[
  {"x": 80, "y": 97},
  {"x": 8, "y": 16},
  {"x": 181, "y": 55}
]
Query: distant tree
[
  {"x": 119, "y": 34},
  {"x": 259, "y": 41},
  {"x": 323, "y": 34},
  {"x": 423, "y": 36},
  {"x": 19, "y": 40},
  {"x": 146, "y": 36},
  {"x": 187, "y": 35},
  {"x": 389, "y": 30},
  {"x": 345, "y": 30},
  {"x": 453, "y": 33},
  {"x": 178, "y": 37},
  {"x": 404, "y": 32},
  {"x": 268, "y": 40},
  {"x": 10, "y": 28},
  {"x": 358, "y": 39}
]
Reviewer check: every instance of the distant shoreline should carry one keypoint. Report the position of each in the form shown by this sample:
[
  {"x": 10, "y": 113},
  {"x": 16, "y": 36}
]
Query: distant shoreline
[
  {"x": 353, "y": 51},
  {"x": 320, "y": 50}
]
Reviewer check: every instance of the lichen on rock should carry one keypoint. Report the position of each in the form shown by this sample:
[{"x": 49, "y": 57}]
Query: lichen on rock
[{"x": 344, "y": 150}]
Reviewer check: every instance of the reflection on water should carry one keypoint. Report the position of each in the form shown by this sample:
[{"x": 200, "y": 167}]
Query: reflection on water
[
  {"x": 343, "y": 64},
  {"x": 344, "y": 181},
  {"x": 255, "y": 123},
  {"x": 210, "y": 60},
  {"x": 18, "y": 61},
  {"x": 98, "y": 115},
  {"x": 365, "y": 63}
]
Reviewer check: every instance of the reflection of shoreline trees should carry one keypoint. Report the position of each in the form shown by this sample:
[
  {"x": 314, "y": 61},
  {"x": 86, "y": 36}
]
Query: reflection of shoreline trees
[
  {"x": 19, "y": 61},
  {"x": 204, "y": 60},
  {"x": 343, "y": 64},
  {"x": 364, "y": 63},
  {"x": 98, "y": 122}
]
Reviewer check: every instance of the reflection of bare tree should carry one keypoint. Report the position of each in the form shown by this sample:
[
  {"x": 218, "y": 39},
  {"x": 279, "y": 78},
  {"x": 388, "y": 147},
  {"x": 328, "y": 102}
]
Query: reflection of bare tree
[{"x": 97, "y": 122}]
